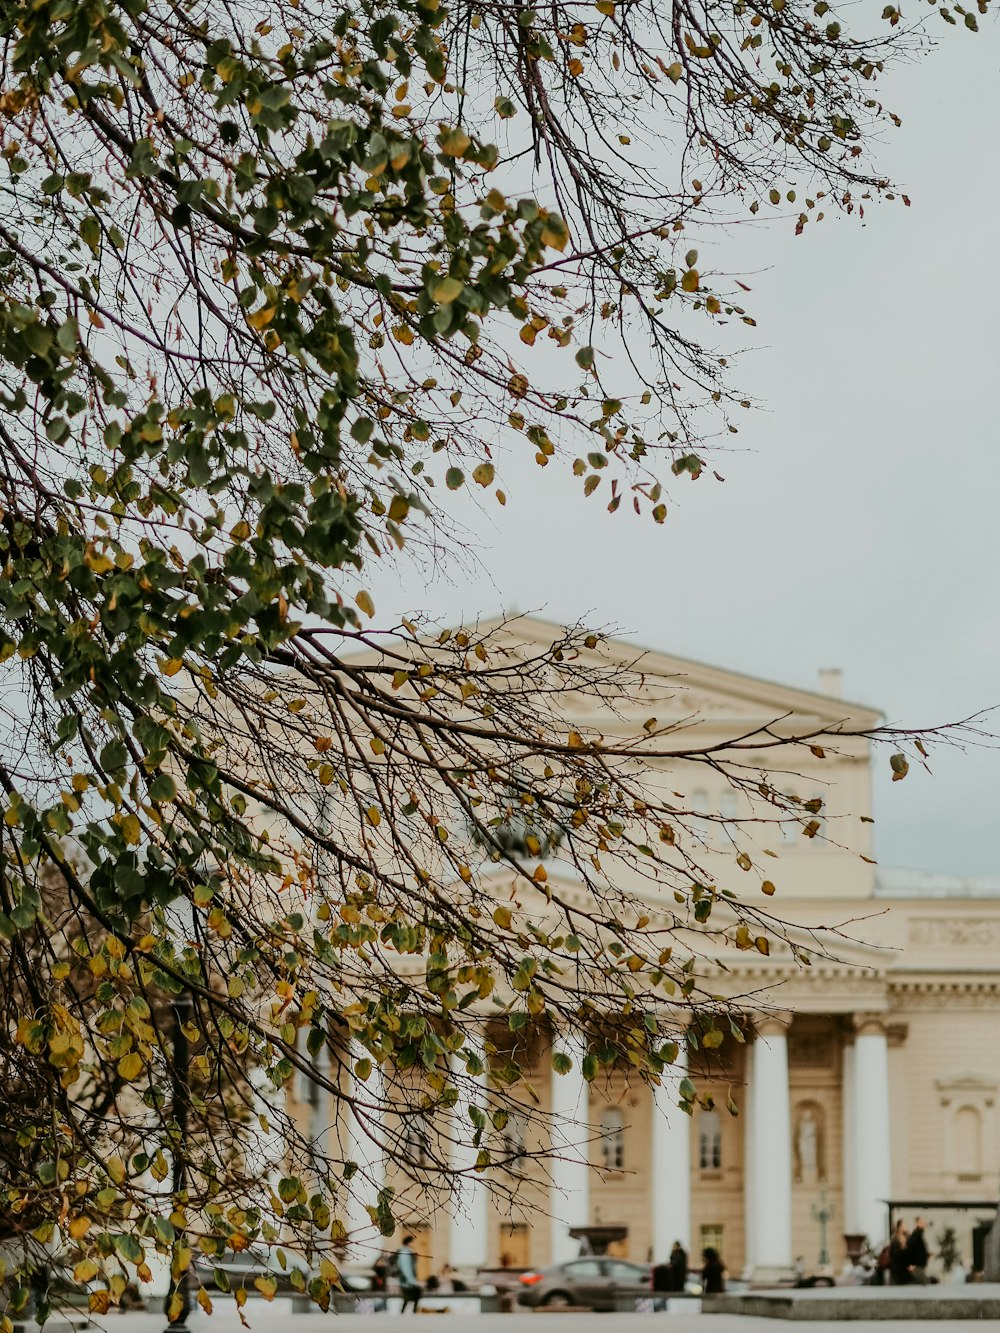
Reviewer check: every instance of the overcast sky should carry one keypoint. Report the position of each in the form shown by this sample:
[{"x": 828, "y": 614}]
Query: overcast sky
[{"x": 858, "y": 525}]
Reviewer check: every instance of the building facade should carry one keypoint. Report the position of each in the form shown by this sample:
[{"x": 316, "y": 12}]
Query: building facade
[{"x": 872, "y": 1074}]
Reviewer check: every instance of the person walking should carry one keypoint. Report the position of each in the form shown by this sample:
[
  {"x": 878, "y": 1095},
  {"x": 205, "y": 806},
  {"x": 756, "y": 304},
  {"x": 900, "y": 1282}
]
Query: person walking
[
  {"x": 406, "y": 1267},
  {"x": 713, "y": 1272},
  {"x": 899, "y": 1263},
  {"x": 678, "y": 1266},
  {"x": 917, "y": 1253}
]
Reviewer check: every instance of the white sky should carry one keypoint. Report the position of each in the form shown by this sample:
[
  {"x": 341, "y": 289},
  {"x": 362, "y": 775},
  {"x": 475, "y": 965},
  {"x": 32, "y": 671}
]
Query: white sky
[{"x": 858, "y": 527}]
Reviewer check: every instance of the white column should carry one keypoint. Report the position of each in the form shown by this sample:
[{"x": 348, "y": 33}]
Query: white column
[
  {"x": 570, "y": 1133},
  {"x": 470, "y": 1221},
  {"x": 770, "y": 1223},
  {"x": 365, "y": 1147},
  {"x": 849, "y": 1172},
  {"x": 872, "y": 1139},
  {"x": 671, "y": 1182},
  {"x": 750, "y": 1204},
  {"x": 266, "y": 1148}
]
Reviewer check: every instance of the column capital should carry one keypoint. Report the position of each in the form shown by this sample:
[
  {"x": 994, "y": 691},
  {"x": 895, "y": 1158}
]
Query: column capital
[
  {"x": 774, "y": 1023},
  {"x": 870, "y": 1024}
]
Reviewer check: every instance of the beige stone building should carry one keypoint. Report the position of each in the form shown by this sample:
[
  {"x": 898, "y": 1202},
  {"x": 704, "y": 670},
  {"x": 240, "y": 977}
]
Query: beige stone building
[{"x": 873, "y": 1075}]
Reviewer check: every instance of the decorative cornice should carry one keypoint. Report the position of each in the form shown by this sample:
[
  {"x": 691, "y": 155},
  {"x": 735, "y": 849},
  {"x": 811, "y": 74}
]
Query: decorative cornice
[{"x": 951, "y": 991}]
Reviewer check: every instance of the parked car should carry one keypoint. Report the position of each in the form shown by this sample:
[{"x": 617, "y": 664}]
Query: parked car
[
  {"x": 243, "y": 1267},
  {"x": 599, "y": 1282}
]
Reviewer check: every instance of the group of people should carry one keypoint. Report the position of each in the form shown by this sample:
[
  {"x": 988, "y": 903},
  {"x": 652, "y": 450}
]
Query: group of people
[
  {"x": 906, "y": 1256},
  {"x": 672, "y": 1276}
]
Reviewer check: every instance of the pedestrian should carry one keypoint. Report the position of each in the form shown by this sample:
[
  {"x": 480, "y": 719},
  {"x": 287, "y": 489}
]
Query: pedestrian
[
  {"x": 899, "y": 1264},
  {"x": 678, "y": 1266},
  {"x": 406, "y": 1267},
  {"x": 380, "y": 1279},
  {"x": 662, "y": 1279},
  {"x": 713, "y": 1272},
  {"x": 917, "y": 1253}
]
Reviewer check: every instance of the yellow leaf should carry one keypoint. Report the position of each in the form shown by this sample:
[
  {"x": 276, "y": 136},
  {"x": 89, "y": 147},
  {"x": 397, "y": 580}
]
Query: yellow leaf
[
  {"x": 502, "y": 917},
  {"x": 99, "y": 1302},
  {"x": 267, "y": 1286},
  {"x": 447, "y": 290},
  {"x": 575, "y": 67},
  {"x": 86, "y": 1269},
  {"x": 374, "y": 817},
  {"x": 261, "y": 318},
  {"x": 767, "y": 887},
  {"x": 690, "y": 281},
  {"x": 79, "y": 1227},
  {"x": 171, "y": 666},
  {"x": 130, "y": 1066},
  {"x": 606, "y": 7},
  {"x": 131, "y": 830},
  {"x": 204, "y": 1300},
  {"x": 365, "y": 604},
  {"x": 97, "y": 561},
  {"x": 403, "y": 334},
  {"x": 453, "y": 142}
]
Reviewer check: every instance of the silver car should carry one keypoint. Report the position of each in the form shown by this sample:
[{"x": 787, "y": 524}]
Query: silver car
[{"x": 597, "y": 1282}]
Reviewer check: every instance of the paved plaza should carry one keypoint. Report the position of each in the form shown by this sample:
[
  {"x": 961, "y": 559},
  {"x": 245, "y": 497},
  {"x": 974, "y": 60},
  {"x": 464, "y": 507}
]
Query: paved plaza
[{"x": 262, "y": 1318}]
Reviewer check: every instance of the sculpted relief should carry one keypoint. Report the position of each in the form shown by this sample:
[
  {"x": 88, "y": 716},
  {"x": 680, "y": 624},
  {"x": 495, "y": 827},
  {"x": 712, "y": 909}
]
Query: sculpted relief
[{"x": 963, "y": 932}]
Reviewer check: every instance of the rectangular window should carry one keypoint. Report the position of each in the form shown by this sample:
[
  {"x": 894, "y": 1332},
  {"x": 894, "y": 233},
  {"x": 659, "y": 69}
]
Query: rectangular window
[{"x": 710, "y": 1236}]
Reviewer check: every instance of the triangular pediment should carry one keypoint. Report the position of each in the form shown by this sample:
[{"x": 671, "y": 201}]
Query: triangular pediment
[{"x": 677, "y": 688}]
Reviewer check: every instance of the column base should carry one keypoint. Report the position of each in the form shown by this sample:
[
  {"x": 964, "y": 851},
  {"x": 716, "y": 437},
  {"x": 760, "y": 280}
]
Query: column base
[{"x": 772, "y": 1275}]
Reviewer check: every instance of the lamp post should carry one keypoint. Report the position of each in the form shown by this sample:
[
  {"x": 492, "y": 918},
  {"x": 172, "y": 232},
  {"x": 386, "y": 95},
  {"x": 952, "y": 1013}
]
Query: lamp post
[
  {"x": 822, "y": 1215},
  {"x": 181, "y": 1007}
]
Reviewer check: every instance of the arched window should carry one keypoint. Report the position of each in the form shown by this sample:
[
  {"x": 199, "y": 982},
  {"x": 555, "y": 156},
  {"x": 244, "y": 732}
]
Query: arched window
[
  {"x": 700, "y": 826},
  {"x": 613, "y": 1138},
  {"x": 968, "y": 1132},
  {"x": 515, "y": 1141},
  {"x": 729, "y": 805},
  {"x": 417, "y": 1142},
  {"x": 709, "y": 1141}
]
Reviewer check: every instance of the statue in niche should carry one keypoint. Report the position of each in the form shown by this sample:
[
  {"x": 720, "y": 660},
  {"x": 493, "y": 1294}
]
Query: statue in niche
[{"x": 808, "y": 1149}]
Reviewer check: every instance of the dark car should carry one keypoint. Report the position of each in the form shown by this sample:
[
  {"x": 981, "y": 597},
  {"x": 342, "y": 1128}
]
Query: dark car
[{"x": 600, "y": 1283}]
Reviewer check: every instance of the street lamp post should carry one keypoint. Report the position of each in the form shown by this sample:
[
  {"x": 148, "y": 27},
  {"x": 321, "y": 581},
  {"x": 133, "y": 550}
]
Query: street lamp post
[
  {"x": 822, "y": 1215},
  {"x": 181, "y": 1006}
]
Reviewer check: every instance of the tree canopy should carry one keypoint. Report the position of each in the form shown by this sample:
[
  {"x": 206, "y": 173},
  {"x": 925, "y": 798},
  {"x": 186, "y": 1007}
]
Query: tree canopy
[{"x": 274, "y": 281}]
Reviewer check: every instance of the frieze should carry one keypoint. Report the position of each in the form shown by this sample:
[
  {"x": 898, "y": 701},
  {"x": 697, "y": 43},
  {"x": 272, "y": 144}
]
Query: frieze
[{"x": 963, "y": 932}]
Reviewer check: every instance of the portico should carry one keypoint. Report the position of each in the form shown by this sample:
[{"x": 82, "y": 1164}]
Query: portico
[{"x": 872, "y": 1072}]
